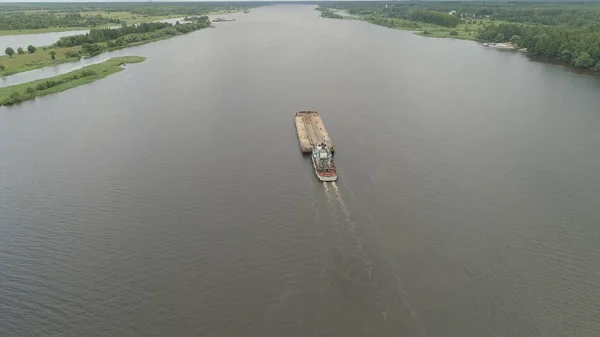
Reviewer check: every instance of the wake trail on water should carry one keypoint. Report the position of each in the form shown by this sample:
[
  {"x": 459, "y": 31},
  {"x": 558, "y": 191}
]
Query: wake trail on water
[
  {"x": 351, "y": 241},
  {"x": 391, "y": 269},
  {"x": 359, "y": 271}
]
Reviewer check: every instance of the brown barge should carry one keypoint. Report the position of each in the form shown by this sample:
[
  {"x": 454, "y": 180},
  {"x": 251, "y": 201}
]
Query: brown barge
[
  {"x": 311, "y": 131},
  {"x": 314, "y": 139}
]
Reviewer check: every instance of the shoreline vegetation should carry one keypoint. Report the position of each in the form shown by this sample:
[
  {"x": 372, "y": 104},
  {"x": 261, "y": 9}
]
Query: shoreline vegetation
[
  {"x": 135, "y": 30},
  {"x": 33, "y": 31},
  {"x": 36, "y": 18},
  {"x": 97, "y": 17},
  {"x": 73, "y": 48},
  {"x": 562, "y": 31},
  {"x": 30, "y": 90}
]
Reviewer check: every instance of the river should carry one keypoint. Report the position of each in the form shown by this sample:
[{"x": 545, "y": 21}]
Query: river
[{"x": 171, "y": 199}]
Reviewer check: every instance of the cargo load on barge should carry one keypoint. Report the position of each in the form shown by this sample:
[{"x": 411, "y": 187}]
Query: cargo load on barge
[
  {"x": 311, "y": 130},
  {"x": 314, "y": 139}
]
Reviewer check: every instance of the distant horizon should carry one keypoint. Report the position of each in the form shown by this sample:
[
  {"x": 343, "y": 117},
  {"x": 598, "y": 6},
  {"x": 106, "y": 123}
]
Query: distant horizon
[
  {"x": 280, "y": 1},
  {"x": 171, "y": 1}
]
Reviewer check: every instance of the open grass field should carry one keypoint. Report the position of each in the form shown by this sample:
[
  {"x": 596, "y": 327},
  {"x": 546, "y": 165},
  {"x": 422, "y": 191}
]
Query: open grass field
[{"x": 41, "y": 58}]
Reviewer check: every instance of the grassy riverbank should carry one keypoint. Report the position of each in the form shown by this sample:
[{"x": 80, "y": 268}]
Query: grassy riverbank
[
  {"x": 27, "y": 91},
  {"x": 465, "y": 31},
  {"x": 42, "y": 57},
  {"x": 37, "y": 18},
  {"x": 124, "y": 17},
  {"x": 563, "y": 31}
]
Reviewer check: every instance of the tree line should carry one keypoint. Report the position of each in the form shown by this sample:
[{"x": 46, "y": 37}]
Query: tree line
[
  {"x": 184, "y": 8},
  {"x": 17, "y": 97},
  {"x": 579, "y": 47},
  {"x": 15, "y": 21},
  {"x": 572, "y": 16},
  {"x": 106, "y": 34},
  {"x": 436, "y": 18},
  {"x": 15, "y": 16},
  {"x": 406, "y": 11},
  {"x": 327, "y": 13},
  {"x": 125, "y": 35},
  {"x": 10, "y": 51},
  {"x": 564, "y": 31}
]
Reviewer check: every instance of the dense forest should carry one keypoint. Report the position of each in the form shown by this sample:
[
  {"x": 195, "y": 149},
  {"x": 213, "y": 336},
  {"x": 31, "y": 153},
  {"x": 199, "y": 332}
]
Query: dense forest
[
  {"x": 437, "y": 18},
  {"x": 566, "y": 31},
  {"x": 38, "y": 20},
  {"x": 579, "y": 47}
]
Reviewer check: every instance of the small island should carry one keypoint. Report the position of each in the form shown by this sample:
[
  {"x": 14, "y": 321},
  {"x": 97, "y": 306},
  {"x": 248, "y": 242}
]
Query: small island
[{"x": 28, "y": 91}]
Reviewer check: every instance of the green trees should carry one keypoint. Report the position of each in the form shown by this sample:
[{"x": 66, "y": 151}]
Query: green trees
[
  {"x": 38, "y": 20},
  {"x": 91, "y": 48},
  {"x": 437, "y": 18},
  {"x": 2, "y": 67},
  {"x": 20, "y": 51},
  {"x": 31, "y": 49},
  {"x": 128, "y": 34},
  {"x": 53, "y": 55},
  {"x": 584, "y": 60},
  {"x": 551, "y": 14},
  {"x": 566, "y": 31},
  {"x": 74, "y": 53},
  {"x": 329, "y": 14},
  {"x": 107, "y": 34},
  {"x": 453, "y": 33},
  {"x": 578, "y": 46},
  {"x": 515, "y": 40},
  {"x": 9, "y": 51}
]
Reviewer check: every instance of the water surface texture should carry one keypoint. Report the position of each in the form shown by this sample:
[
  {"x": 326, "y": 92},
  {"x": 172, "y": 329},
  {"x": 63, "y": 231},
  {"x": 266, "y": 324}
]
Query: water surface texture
[{"x": 171, "y": 199}]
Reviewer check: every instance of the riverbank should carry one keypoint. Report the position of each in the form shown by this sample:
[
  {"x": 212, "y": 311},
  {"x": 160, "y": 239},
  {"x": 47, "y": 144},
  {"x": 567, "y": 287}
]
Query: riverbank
[
  {"x": 463, "y": 31},
  {"x": 54, "y": 55},
  {"x": 41, "y": 58},
  {"x": 45, "y": 30},
  {"x": 30, "y": 90},
  {"x": 120, "y": 18},
  {"x": 560, "y": 31},
  {"x": 128, "y": 19}
]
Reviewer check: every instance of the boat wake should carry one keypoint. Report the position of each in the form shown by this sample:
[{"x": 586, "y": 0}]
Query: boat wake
[
  {"x": 355, "y": 245},
  {"x": 334, "y": 193},
  {"x": 351, "y": 242}
]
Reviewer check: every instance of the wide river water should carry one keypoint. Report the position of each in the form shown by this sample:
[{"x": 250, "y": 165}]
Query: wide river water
[{"x": 171, "y": 199}]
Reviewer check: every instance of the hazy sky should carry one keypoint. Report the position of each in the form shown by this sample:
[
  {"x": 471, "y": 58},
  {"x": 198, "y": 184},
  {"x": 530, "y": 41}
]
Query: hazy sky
[{"x": 4, "y": 1}]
